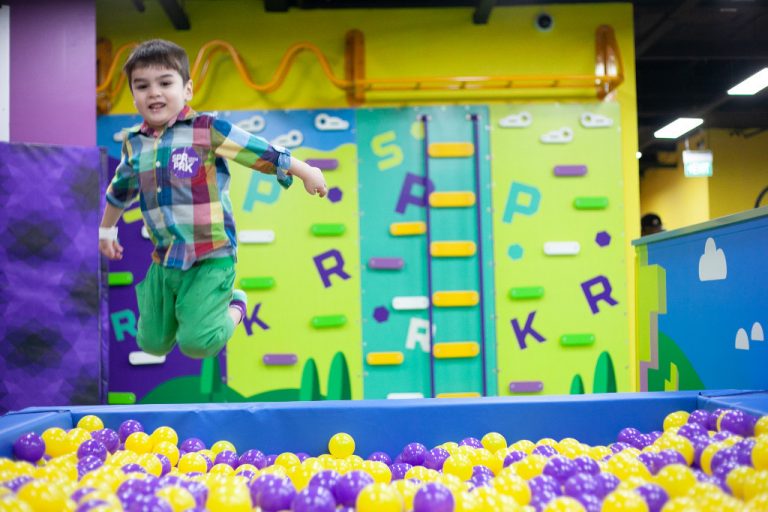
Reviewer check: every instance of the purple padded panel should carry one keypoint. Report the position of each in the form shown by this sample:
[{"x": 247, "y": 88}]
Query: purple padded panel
[{"x": 53, "y": 298}]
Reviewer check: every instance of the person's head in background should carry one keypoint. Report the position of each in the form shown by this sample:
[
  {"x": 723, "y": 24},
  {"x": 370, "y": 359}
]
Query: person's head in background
[
  {"x": 650, "y": 223},
  {"x": 158, "y": 75}
]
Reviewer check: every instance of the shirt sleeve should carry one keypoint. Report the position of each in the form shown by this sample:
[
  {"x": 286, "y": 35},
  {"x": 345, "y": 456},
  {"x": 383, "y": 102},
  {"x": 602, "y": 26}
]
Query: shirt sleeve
[
  {"x": 124, "y": 188},
  {"x": 233, "y": 143}
]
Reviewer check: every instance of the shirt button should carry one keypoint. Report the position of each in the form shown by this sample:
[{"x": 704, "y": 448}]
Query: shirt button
[
  {"x": 159, "y": 190},
  {"x": 157, "y": 164}
]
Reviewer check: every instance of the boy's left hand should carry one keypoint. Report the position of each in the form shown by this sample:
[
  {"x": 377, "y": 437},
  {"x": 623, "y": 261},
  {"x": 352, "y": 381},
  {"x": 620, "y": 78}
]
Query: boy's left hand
[{"x": 314, "y": 182}]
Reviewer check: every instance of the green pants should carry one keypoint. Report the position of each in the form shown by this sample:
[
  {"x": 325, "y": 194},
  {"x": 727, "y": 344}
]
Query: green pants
[{"x": 186, "y": 307}]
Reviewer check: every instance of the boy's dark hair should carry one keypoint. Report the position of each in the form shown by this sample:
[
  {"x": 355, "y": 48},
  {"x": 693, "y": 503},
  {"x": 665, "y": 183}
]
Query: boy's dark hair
[{"x": 158, "y": 52}]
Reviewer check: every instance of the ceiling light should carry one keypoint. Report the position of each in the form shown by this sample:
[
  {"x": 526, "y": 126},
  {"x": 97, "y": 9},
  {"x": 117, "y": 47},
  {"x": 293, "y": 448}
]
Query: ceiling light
[
  {"x": 751, "y": 85},
  {"x": 639, "y": 155},
  {"x": 678, "y": 127}
]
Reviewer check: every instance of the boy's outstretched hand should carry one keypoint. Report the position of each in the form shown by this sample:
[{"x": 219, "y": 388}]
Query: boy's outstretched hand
[
  {"x": 314, "y": 181},
  {"x": 111, "y": 249}
]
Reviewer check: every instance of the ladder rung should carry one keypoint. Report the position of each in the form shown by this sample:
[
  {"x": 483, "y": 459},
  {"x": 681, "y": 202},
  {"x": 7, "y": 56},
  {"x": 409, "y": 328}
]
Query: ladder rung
[
  {"x": 410, "y": 302},
  {"x": 451, "y": 199},
  {"x": 384, "y": 358},
  {"x": 456, "y": 349},
  {"x": 452, "y": 249},
  {"x": 451, "y": 149},
  {"x": 456, "y": 298},
  {"x": 467, "y": 394},
  {"x": 407, "y": 228}
]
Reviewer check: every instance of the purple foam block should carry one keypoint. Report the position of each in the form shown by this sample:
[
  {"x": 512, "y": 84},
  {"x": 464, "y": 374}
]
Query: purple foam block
[
  {"x": 522, "y": 386},
  {"x": 280, "y": 359},
  {"x": 386, "y": 263},
  {"x": 570, "y": 170},
  {"x": 325, "y": 164}
]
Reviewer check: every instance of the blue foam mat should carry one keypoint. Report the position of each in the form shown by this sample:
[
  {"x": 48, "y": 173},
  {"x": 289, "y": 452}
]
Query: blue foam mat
[{"x": 389, "y": 425}]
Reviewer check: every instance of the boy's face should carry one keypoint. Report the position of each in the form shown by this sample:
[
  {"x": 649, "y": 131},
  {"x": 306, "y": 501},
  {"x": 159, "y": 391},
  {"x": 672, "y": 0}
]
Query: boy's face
[{"x": 159, "y": 94}]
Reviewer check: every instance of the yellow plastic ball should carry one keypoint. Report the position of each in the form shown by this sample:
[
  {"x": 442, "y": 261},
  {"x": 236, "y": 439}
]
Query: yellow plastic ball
[
  {"x": 451, "y": 447},
  {"x": 681, "y": 504},
  {"x": 458, "y": 465},
  {"x": 42, "y": 496},
  {"x": 407, "y": 490},
  {"x": 705, "y": 460},
  {"x": 493, "y": 441},
  {"x": 681, "y": 445},
  {"x": 676, "y": 479},
  {"x": 760, "y": 452},
  {"x": 761, "y": 427},
  {"x": 341, "y": 445},
  {"x": 222, "y": 469},
  {"x": 378, "y": 470},
  {"x": 420, "y": 473},
  {"x": 139, "y": 442},
  {"x": 598, "y": 452},
  {"x": 151, "y": 463},
  {"x": 523, "y": 445},
  {"x": 759, "y": 503},
  {"x": 379, "y": 497},
  {"x": 78, "y": 436},
  {"x": 624, "y": 501},
  {"x": 675, "y": 419},
  {"x": 467, "y": 502},
  {"x": 564, "y": 504},
  {"x": 192, "y": 462},
  {"x": 179, "y": 498},
  {"x": 220, "y": 446},
  {"x": 56, "y": 442},
  {"x": 513, "y": 486},
  {"x": 755, "y": 483},
  {"x": 736, "y": 478},
  {"x": 287, "y": 460},
  {"x": 299, "y": 475},
  {"x": 164, "y": 435},
  {"x": 12, "y": 503},
  {"x": 90, "y": 423},
  {"x": 170, "y": 450},
  {"x": 233, "y": 497},
  {"x": 531, "y": 466}
]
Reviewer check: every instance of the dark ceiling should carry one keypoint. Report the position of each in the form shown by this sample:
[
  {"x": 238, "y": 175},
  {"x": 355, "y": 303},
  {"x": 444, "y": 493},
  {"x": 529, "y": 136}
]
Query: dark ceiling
[{"x": 688, "y": 54}]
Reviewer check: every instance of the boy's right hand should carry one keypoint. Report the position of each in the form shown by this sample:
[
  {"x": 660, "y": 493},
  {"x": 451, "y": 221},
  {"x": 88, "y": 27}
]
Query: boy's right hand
[{"x": 111, "y": 249}]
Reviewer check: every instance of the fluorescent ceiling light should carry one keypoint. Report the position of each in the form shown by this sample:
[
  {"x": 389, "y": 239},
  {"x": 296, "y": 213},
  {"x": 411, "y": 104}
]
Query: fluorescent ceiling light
[
  {"x": 751, "y": 85},
  {"x": 678, "y": 127}
]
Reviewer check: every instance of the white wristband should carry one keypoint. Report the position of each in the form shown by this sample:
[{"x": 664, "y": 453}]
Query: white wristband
[{"x": 108, "y": 233}]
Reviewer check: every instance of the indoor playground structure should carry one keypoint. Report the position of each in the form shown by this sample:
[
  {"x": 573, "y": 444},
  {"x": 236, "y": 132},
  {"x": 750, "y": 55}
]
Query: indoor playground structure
[{"x": 457, "y": 326}]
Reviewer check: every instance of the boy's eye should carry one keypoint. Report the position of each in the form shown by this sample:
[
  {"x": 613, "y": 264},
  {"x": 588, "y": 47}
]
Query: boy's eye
[
  {"x": 165, "y": 84},
  {"x": 140, "y": 86}
]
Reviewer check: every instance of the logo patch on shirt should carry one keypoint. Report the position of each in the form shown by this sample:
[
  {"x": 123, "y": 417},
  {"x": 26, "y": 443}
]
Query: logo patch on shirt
[{"x": 185, "y": 163}]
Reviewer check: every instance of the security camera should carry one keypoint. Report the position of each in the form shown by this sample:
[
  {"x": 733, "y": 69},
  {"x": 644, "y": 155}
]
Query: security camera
[{"x": 544, "y": 22}]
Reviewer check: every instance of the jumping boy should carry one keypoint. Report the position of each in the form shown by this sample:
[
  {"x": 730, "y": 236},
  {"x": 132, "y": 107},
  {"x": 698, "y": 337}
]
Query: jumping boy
[{"x": 175, "y": 163}]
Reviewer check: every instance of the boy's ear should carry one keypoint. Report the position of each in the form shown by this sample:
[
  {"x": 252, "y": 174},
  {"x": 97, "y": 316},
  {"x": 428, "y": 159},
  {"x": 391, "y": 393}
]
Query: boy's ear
[{"x": 188, "y": 91}]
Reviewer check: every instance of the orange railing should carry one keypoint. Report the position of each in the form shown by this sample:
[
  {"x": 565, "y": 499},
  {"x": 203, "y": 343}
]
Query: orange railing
[{"x": 608, "y": 75}]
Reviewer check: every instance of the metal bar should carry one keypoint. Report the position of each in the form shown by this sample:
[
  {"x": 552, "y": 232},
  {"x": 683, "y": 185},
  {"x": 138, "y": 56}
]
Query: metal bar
[
  {"x": 667, "y": 24},
  {"x": 425, "y": 121},
  {"x": 479, "y": 219},
  {"x": 482, "y": 12},
  {"x": 176, "y": 14}
]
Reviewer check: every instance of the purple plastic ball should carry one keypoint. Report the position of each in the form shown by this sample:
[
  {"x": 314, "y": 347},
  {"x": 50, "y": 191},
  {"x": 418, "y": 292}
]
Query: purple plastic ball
[
  {"x": 609, "y": 483},
  {"x": 399, "y": 469},
  {"x": 17, "y": 483},
  {"x": 80, "y": 493},
  {"x": 87, "y": 464},
  {"x": 667, "y": 457},
  {"x": 560, "y": 468},
  {"x": 587, "y": 465},
  {"x": 108, "y": 438},
  {"x": 326, "y": 478},
  {"x": 737, "y": 422},
  {"x": 276, "y": 495},
  {"x": 692, "y": 431},
  {"x": 258, "y": 484},
  {"x": 471, "y": 441},
  {"x": 133, "y": 468},
  {"x": 254, "y": 457},
  {"x": 349, "y": 485},
  {"x": 271, "y": 458},
  {"x": 544, "y": 484},
  {"x": 545, "y": 450},
  {"x": 198, "y": 490},
  {"x": 626, "y": 435},
  {"x": 712, "y": 420},
  {"x": 127, "y": 428},
  {"x": 302, "y": 456},
  {"x": 433, "y": 497},
  {"x": 721, "y": 436},
  {"x": 92, "y": 448},
  {"x": 29, "y": 447},
  {"x": 583, "y": 483},
  {"x": 700, "y": 417},
  {"x": 617, "y": 447},
  {"x": 314, "y": 499},
  {"x": 131, "y": 489},
  {"x": 149, "y": 503},
  {"x": 414, "y": 454},
  {"x": 651, "y": 461},
  {"x": 744, "y": 449},
  {"x": 165, "y": 464},
  {"x": 380, "y": 457},
  {"x": 89, "y": 505},
  {"x": 514, "y": 456},
  {"x": 590, "y": 502},
  {"x": 654, "y": 496},
  {"x": 227, "y": 457},
  {"x": 435, "y": 458},
  {"x": 192, "y": 444}
]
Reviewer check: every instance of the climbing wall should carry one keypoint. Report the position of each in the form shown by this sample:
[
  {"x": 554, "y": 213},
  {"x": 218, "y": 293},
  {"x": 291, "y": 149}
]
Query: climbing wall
[
  {"x": 426, "y": 252},
  {"x": 559, "y": 248}
]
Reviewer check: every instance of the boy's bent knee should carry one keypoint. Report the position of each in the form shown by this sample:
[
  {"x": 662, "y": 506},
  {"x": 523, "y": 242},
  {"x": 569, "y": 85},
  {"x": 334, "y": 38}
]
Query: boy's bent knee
[
  {"x": 155, "y": 348},
  {"x": 202, "y": 347}
]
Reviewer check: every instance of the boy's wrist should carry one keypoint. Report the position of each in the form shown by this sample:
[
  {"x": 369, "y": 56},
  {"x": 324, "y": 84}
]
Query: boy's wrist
[{"x": 108, "y": 233}]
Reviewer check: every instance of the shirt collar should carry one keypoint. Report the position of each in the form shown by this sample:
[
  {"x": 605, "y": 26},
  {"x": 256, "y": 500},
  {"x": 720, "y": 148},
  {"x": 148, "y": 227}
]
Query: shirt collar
[{"x": 186, "y": 114}]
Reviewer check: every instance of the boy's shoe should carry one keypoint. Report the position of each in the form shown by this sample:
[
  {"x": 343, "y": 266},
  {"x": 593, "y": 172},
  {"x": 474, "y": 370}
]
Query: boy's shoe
[{"x": 239, "y": 301}]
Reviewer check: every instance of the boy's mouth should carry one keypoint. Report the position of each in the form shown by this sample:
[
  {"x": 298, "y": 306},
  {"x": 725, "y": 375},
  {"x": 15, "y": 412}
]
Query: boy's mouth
[{"x": 156, "y": 107}]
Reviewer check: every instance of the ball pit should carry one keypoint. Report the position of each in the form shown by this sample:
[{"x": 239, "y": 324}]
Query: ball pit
[{"x": 685, "y": 467}]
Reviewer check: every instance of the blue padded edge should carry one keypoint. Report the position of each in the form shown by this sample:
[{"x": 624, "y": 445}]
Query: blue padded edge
[
  {"x": 14, "y": 424},
  {"x": 389, "y": 425},
  {"x": 753, "y": 402}
]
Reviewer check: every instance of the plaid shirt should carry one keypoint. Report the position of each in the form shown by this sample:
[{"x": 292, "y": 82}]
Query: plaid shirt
[{"x": 182, "y": 180}]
